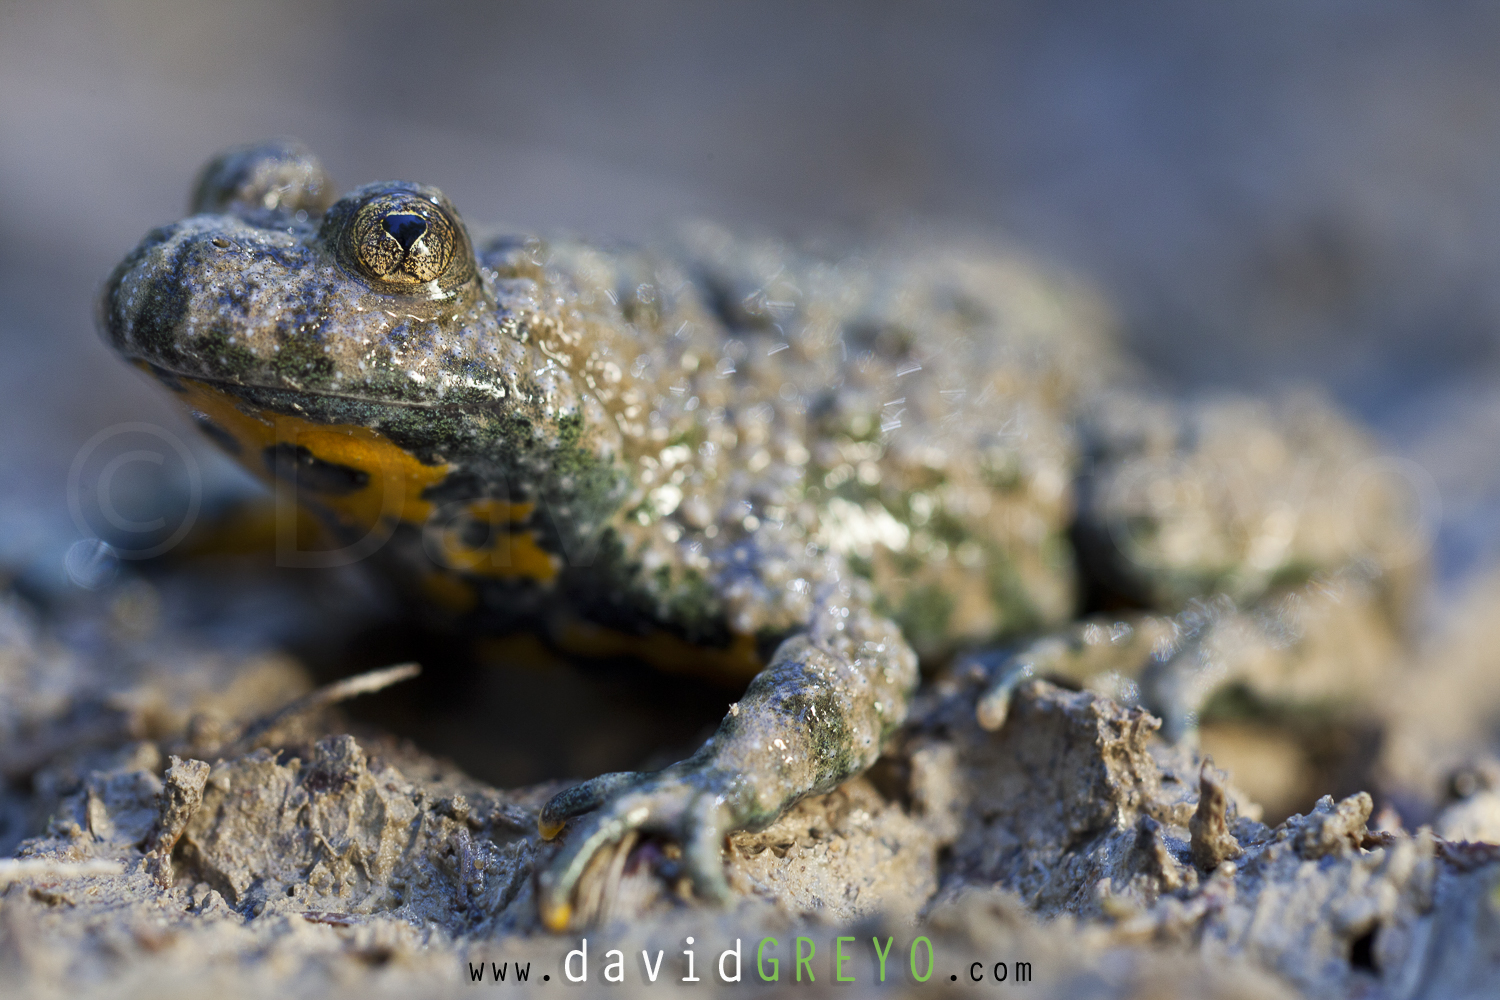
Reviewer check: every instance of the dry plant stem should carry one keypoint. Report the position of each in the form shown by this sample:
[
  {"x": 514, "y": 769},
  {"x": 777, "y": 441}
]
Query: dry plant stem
[
  {"x": 12, "y": 869},
  {"x": 611, "y": 888},
  {"x": 263, "y": 731}
]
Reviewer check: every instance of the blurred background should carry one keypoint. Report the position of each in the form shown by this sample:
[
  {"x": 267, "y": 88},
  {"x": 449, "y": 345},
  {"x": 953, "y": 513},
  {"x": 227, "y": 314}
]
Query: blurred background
[{"x": 1272, "y": 194}]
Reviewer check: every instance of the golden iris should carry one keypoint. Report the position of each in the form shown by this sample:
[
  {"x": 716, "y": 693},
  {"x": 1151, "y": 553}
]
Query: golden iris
[{"x": 402, "y": 239}]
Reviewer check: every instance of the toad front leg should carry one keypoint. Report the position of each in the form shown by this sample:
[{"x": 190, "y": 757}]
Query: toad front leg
[{"x": 817, "y": 715}]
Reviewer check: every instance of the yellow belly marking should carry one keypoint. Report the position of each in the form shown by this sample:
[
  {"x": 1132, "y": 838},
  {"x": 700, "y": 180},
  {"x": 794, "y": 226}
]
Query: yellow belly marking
[
  {"x": 504, "y": 553},
  {"x": 397, "y": 480},
  {"x": 662, "y": 650}
]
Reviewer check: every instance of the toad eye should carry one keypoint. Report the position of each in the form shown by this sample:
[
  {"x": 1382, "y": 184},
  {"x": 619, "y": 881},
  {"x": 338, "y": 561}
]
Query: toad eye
[{"x": 402, "y": 239}]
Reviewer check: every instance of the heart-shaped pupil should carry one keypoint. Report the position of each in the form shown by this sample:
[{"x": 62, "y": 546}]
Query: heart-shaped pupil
[{"x": 405, "y": 229}]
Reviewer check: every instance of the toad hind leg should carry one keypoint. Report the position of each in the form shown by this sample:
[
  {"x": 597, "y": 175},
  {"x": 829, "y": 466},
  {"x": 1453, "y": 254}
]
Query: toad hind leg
[
  {"x": 1169, "y": 665},
  {"x": 817, "y": 715},
  {"x": 1077, "y": 654}
]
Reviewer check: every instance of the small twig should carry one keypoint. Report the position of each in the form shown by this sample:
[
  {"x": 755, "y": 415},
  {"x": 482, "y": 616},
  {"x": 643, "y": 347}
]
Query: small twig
[
  {"x": 12, "y": 869},
  {"x": 264, "y": 730},
  {"x": 20, "y": 761},
  {"x": 332, "y": 919},
  {"x": 610, "y": 893},
  {"x": 466, "y": 872}
]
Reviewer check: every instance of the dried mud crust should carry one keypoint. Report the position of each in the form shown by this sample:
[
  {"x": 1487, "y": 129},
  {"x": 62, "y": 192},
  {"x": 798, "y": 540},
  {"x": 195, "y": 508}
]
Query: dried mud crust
[{"x": 1073, "y": 839}]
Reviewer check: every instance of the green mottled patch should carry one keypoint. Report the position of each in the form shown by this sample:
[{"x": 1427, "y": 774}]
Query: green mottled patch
[
  {"x": 1008, "y": 590},
  {"x": 691, "y": 603},
  {"x": 1292, "y": 574},
  {"x": 1238, "y": 703},
  {"x": 234, "y": 360},
  {"x": 924, "y": 615},
  {"x": 302, "y": 361},
  {"x": 1003, "y": 472}
]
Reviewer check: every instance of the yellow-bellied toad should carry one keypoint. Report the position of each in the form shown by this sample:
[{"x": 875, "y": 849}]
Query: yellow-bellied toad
[{"x": 732, "y": 457}]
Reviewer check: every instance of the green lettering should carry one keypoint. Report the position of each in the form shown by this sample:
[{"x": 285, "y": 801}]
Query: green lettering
[
  {"x": 839, "y": 958},
  {"x": 759, "y": 957},
  {"x": 805, "y": 960},
  {"x": 930, "y": 960},
  {"x": 888, "y": 942}
]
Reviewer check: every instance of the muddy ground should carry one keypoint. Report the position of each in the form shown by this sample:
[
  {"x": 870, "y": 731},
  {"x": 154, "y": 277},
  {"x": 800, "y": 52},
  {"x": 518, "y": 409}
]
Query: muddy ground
[{"x": 180, "y": 819}]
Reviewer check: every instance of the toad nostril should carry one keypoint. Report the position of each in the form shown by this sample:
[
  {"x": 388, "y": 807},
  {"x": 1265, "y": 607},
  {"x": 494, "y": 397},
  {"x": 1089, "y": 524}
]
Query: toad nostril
[{"x": 406, "y": 229}]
